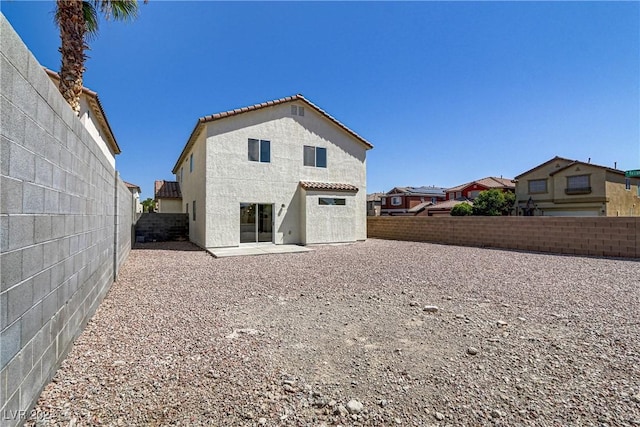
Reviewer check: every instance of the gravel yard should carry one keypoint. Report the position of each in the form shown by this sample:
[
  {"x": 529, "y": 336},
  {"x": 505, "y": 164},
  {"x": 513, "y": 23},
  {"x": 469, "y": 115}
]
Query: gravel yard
[{"x": 373, "y": 333}]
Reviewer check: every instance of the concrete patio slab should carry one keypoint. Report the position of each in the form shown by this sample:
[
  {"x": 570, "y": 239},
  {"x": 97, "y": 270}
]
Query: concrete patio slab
[{"x": 248, "y": 250}]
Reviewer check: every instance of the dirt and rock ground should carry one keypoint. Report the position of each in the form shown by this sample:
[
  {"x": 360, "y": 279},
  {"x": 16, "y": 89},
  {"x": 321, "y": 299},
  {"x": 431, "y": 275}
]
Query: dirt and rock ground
[{"x": 375, "y": 333}]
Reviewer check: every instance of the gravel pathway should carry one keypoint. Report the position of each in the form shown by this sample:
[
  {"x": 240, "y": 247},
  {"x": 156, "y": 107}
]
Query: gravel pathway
[{"x": 374, "y": 333}]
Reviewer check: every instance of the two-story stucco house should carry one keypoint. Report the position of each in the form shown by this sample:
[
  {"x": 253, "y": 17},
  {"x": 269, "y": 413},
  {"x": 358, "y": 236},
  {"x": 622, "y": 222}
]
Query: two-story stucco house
[
  {"x": 280, "y": 172},
  {"x": 564, "y": 187}
]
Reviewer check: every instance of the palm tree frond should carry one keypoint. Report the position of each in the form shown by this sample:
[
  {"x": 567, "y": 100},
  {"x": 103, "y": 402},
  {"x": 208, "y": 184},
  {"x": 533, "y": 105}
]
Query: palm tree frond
[
  {"x": 90, "y": 19},
  {"x": 118, "y": 10}
]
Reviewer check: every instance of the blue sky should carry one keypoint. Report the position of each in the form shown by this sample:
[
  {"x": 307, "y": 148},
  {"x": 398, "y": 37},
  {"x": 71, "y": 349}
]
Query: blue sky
[{"x": 447, "y": 92}]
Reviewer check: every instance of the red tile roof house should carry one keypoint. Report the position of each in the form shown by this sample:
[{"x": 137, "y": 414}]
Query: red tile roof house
[
  {"x": 168, "y": 197},
  {"x": 281, "y": 172},
  {"x": 410, "y": 200},
  {"x": 470, "y": 190},
  {"x": 466, "y": 193}
]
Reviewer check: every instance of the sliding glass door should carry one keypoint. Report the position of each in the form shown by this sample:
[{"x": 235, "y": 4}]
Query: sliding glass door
[{"x": 256, "y": 222}]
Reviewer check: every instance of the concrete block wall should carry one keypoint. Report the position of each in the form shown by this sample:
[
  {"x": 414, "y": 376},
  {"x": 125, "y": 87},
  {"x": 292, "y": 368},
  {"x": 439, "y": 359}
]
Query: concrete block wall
[
  {"x": 160, "y": 227},
  {"x": 58, "y": 238},
  {"x": 602, "y": 236}
]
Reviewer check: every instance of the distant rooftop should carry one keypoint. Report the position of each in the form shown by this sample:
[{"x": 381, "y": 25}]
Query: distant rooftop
[{"x": 167, "y": 190}]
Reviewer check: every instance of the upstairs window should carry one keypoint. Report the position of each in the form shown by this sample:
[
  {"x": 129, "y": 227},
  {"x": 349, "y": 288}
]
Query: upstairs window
[
  {"x": 297, "y": 110},
  {"x": 396, "y": 201},
  {"x": 259, "y": 150},
  {"x": 578, "y": 184},
  {"x": 315, "y": 156},
  {"x": 627, "y": 184},
  {"x": 191, "y": 163},
  {"x": 537, "y": 186}
]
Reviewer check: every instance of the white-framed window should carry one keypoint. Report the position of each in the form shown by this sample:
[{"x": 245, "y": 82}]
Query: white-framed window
[
  {"x": 537, "y": 186},
  {"x": 297, "y": 110},
  {"x": 458, "y": 194},
  {"x": 259, "y": 150},
  {"x": 383, "y": 201},
  {"x": 396, "y": 201},
  {"x": 315, "y": 156},
  {"x": 331, "y": 201}
]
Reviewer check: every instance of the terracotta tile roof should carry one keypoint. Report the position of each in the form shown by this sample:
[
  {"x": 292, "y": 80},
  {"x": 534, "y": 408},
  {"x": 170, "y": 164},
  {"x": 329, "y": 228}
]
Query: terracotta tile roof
[
  {"x": 218, "y": 116},
  {"x": 489, "y": 182},
  {"x": 98, "y": 111},
  {"x": 308, "y": 185},
  {"x": 132, "y": 186},
  {"x": 374, "y": 197},
  {"x": 167, "y": 190},
  {"x": 420, "y": 207},
  {"x": 448, "y": 204}
]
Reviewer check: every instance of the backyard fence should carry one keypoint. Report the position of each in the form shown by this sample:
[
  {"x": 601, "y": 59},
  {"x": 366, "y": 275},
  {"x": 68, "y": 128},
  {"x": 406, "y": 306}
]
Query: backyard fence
[
  {"x": 66, "y": 220},
  {"x": 606, "y": 236}
]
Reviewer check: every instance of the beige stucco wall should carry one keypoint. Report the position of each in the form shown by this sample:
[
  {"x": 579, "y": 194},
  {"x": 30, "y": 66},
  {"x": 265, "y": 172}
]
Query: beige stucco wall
[
  {"x": 522, "y": 184},
  {"x": 193, "y": 189},
  {"x": 87, "y": 119},
  {"x": 232, "y": 179},
  {"x": 623, "y": 202},
  {"x": 608, "y": 196},
  {"x": 328, "y": 224},
  {"x": 170, "y": 206}
]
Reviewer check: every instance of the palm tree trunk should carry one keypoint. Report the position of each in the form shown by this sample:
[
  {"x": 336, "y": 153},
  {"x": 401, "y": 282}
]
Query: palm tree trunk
[{"x": 72, "y": 32}]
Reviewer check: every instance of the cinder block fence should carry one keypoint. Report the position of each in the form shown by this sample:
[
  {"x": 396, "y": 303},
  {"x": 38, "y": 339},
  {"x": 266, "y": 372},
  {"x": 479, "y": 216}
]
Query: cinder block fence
[
  {"x": 66, "y": 221},
  {"x": 162, "y": 227},
  {"x": 609, "y": 237}
]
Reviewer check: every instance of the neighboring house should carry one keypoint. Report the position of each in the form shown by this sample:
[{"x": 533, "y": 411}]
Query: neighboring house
[
  {"x": 410, "y": 200},
  {"x": 564, "y": 187},
  {"x": 281, "y": 172},
  {"x": 94, "y": 119},
  {"x": 374, "y": 204},
  {"x": 443, "y": 208},
  {"x": 470, "y": 190},
  {"x": 135, "y": 190},
  {"x": 168, "y": 197}
]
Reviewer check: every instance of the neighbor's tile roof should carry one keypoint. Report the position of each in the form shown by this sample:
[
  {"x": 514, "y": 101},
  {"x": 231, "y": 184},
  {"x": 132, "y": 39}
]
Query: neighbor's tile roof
[
  {"x": 309, "y": 185},
  {"x": 374, "y": 197},
  {"x": 298, "y": 97},
  {"x": 167, "y": 190},
  {"x": 555, "y": 159},
  {"x": 577, "y": 162},
  {"x": 419, "y": 207},
  {"x": 132, "y": 186},
  {"x": 417, "y": 191},
  {"x": 489, "y": 182},
  {"x": 98, "y": 111},
  {"x": 448, "y": 204}
]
